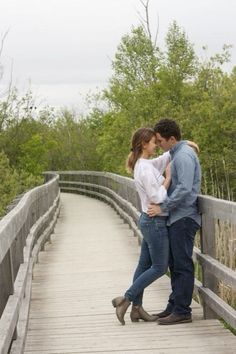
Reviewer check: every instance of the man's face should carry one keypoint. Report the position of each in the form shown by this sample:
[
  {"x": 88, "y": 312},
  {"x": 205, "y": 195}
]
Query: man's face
[{"x": 163, "y": 143}]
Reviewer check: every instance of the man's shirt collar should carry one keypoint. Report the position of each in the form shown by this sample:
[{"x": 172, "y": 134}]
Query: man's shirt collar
[{"x": 176, "y": 147}]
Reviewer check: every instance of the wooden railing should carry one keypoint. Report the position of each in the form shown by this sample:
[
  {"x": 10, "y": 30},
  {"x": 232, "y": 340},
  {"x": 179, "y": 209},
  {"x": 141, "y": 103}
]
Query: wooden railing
[
  {"x": 23, "y": 233},
  {"x": 120, "y": 193}
]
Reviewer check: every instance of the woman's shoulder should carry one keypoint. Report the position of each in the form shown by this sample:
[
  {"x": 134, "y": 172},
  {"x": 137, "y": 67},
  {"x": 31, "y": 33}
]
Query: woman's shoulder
[
  {"x": 143, "y": 163},
  {"x": 143, "y": 166}
]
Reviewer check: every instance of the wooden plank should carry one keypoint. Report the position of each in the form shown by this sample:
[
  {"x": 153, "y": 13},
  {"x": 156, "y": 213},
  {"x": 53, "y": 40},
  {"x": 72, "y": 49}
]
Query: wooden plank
[{"x": 214, "y": 350}]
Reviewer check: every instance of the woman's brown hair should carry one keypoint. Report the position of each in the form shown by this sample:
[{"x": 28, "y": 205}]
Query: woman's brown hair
[{"x": 139, "y": 138}]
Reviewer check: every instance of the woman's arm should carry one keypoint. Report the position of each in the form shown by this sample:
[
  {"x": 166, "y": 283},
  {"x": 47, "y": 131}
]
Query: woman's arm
[{"x": 161, "y": 162}]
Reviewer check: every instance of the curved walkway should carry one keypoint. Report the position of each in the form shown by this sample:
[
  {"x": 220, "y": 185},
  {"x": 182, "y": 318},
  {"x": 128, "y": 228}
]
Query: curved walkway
[{"x": 91, "y": 260}]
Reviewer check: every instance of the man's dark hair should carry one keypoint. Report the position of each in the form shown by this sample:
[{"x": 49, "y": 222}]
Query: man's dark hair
[{"x": 168, "y": 127}]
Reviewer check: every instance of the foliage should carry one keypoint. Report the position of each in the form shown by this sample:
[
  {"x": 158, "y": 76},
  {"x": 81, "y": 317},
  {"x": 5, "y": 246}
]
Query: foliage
[
  {"x": 13, "y": 183},
  {"x": 8, "y": 182}
]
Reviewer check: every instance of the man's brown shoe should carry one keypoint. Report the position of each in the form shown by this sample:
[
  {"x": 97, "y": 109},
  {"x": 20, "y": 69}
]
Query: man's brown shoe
[
  {"x": 174, "y": 318},
  {"x": 162, "y": 314}
]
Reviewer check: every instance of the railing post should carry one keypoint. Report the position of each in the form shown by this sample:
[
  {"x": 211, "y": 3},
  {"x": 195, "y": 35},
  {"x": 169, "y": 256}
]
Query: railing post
[
  {"x": 12, "y": 280},
  {"x": 208, "y": 246}
]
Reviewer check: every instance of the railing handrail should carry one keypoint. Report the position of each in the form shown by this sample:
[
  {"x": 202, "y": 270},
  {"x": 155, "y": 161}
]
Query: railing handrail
[{"x": 217, "y": 208}]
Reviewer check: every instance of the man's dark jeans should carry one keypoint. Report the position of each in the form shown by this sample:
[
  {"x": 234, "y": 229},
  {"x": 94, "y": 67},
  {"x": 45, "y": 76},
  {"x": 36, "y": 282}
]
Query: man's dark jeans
[{"x": 181, "y": 238}]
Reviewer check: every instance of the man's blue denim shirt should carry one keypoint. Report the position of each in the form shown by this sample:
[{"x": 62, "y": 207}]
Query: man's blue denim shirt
[{"x": 185, "y": 185}]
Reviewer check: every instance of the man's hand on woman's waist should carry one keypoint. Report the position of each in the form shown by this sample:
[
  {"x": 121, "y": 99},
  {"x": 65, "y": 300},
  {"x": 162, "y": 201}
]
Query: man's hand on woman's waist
[{"x": 153, "y": 210}]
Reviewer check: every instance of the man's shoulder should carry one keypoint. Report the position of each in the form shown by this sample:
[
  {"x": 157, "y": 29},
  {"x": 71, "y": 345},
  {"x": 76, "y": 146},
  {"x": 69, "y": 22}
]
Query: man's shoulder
[
  {"x": 185, "y": 155},
  {"x": 186, "y": 150}
]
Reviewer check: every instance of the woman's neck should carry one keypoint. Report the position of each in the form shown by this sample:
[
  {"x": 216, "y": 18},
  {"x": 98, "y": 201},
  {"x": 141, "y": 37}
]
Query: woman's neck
[{"x": 145, "y": 155}]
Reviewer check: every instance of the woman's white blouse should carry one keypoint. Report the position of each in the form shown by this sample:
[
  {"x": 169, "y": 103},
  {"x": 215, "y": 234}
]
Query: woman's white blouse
[{"x": 148, "y": 180}]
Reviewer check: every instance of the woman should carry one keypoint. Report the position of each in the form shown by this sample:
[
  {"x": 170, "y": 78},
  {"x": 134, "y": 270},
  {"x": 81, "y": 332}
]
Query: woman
[{"x": 152, "y": 188}]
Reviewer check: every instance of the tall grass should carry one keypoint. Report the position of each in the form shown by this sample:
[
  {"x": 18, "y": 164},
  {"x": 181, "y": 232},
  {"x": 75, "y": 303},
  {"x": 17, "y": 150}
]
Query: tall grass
[
  {"x": 218, "y": 181},
  {"x": 226, "y": 254}
]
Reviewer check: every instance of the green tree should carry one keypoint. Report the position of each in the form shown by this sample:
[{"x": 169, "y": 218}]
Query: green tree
[
  {"x": 34, "y": 154},
  {"x": 178, "y": 67},
  {"x": 8, "y": 182}
]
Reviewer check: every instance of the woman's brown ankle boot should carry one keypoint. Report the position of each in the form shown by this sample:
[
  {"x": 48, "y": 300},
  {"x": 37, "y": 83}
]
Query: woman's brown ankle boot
[
  {"x": 121, "y": 304},
  {"x": 138, "y": 313}
]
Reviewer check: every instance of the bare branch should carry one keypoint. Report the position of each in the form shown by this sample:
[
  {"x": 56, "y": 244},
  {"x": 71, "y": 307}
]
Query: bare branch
[
  {"x": 143, "y": 3},
  {"x": 1, "y": 49},
  {"x": 10, "y": 83},
  {"x": 146, "y": 21},
  {"x": 143, "y": 22},
  {"x": 141, "y": 17},
  {"x": 157, "y": 31},
  {"x": 9, "y": 89}
]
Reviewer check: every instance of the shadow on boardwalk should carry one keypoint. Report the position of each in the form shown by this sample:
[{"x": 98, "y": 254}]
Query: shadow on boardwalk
[{"x": 91, "y": 260}]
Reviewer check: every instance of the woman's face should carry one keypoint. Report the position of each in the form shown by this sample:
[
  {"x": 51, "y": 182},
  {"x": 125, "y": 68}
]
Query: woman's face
[{"x": 150, "y": 147}]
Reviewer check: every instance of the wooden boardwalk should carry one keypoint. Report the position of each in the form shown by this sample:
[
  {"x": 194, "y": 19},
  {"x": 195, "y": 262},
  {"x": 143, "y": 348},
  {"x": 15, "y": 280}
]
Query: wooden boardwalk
[{"x": 90, "y": 261}]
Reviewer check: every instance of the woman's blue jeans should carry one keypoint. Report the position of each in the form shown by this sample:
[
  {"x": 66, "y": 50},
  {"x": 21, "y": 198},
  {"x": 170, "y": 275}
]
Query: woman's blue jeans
[{"x": 153, "y": 261}]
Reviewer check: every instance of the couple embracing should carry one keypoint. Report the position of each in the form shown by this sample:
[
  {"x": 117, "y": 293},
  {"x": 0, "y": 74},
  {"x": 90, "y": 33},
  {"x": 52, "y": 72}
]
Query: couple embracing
[{"x": 168, "y": 222}]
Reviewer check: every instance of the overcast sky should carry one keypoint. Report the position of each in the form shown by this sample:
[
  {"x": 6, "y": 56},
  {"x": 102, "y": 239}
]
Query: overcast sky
[{"x": 65, "y": 47}]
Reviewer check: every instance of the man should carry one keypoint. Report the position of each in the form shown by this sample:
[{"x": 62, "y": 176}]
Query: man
[{"x": 184, "y": 220}]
